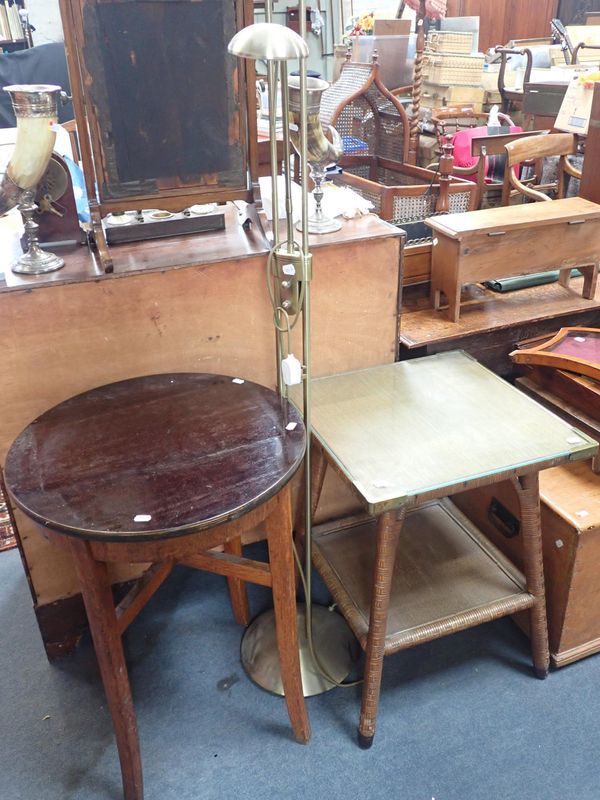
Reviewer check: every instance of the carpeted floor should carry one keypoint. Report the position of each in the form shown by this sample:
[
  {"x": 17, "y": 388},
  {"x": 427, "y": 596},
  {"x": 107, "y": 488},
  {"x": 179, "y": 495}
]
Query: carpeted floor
[{"x": 460, "y": 719}]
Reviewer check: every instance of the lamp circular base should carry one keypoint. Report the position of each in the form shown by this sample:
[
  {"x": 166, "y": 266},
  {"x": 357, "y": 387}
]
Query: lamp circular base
[
  {"x": 334, "y": 643},
  {"x": 322, "y": 225},
  {"x": 37, "y": 263}
]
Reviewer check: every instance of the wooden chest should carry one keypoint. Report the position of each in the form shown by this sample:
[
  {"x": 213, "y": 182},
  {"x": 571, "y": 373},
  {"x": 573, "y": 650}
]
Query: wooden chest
[
  {"x": 571, "y": 534},
  {"x": 513, "y": 240}
]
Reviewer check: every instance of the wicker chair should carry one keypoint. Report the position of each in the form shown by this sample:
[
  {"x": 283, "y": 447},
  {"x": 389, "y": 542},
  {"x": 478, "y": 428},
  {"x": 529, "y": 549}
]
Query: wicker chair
[{"x": 375, "y": 130}]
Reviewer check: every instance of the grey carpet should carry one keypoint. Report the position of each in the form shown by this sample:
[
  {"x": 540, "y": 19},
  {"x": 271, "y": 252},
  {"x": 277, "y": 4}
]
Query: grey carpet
[{"x": 461, "y": 718}]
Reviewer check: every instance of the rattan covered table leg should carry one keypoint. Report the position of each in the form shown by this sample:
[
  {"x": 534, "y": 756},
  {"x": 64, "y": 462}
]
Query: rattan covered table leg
[
  {"x": 527, "y": 487},
  {"x": 99, "y": 605},
  {"x": 389, "y": 526}
]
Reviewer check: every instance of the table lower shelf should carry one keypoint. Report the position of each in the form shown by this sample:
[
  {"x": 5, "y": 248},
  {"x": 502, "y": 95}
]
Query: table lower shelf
[{"x": 447, "y": 576}]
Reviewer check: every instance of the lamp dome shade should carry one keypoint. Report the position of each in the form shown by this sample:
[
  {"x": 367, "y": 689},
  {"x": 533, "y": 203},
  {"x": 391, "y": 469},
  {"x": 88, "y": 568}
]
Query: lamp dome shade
[{"x": 268, "y": 41}]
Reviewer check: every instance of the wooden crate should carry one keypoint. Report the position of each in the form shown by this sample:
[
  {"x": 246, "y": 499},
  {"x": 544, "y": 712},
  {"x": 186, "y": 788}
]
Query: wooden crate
[{"x": 570, "y": 512}]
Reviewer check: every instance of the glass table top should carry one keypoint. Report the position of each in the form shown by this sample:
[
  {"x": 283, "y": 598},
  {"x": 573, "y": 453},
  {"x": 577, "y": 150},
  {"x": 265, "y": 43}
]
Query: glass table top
[{"x": 419, "y": 426}]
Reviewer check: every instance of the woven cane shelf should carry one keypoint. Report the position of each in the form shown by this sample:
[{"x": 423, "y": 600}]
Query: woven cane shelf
[{"x": 447, "y": 576}]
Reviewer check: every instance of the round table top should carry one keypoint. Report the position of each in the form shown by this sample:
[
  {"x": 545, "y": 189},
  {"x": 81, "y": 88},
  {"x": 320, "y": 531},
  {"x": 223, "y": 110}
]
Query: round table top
[{"x": 155, "y": 457}]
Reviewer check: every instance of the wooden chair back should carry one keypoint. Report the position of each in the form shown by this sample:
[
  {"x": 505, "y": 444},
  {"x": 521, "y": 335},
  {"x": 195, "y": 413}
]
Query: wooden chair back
[
  {"x": 512, "y": 95},
  {"x": 449, "y": 119},
  {"x": 481, "y": 147},
  {"x": 533, "y": 149}
]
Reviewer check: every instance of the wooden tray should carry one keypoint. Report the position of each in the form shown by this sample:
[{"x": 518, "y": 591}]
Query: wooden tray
[{"x": 574, "y": 349}]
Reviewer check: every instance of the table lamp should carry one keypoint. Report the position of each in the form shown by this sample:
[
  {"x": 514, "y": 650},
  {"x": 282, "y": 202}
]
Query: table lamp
[{"x": 328, "y": 661}]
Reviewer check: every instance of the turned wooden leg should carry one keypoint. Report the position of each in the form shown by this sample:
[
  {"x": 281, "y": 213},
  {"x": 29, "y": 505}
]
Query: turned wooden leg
[
  {"x": 98, "y": 599},
  {"x": 527, "y": 487},
  {"x": 281, "y": 559},
  {"x": 237, "y": 587},
  {"x": 389, "y": 526}
]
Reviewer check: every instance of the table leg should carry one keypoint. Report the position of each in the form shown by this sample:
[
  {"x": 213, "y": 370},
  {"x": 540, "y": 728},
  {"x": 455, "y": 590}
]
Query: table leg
[
  {"x": 281, "y": 559},
  {"x": 564, "y": 277},
  {"x": 237, "y": 587},
  {"x": 99, "y": 605},
  {"x": 389, "y": 526},
  {"x": 590, "y": 280},
  {"x": 527, "y": 487}
]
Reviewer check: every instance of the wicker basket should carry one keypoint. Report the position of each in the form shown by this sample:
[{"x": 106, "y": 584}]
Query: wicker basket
[
  {"x": 450, "y": 42},
  {"x": 401, "y": 193},
  {"x": 453, "y": 70}
]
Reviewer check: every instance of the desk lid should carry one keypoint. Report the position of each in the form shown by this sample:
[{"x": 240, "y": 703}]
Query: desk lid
[
  {"x": 434, "y": 424},
  {"x": 530, "y": 215}
]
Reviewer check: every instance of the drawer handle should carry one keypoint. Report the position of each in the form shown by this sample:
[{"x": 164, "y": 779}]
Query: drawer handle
[
  {"x": 497, "y": 233},
  {"x": 503, "y": 520},
  {"x": 576, "y": 221}
]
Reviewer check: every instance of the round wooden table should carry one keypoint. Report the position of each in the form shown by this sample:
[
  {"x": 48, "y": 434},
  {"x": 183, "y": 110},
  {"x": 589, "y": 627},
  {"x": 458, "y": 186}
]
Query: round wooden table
[{"x": 164, "y": 469}]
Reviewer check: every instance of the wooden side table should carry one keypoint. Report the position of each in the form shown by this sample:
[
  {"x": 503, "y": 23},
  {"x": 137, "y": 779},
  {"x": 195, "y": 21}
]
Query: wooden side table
[
  {"x": 514, "y": 240},
  {"x": 404, "y": 437},
  {"x": 163, "y": 469}
]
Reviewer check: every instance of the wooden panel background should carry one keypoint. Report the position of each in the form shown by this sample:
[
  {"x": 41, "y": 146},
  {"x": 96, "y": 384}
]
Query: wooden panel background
[{"x": 502, "y": 20}]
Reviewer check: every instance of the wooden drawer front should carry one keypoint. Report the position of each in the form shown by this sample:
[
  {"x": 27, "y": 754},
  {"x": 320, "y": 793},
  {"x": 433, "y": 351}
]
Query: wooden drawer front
[{"x": 484, "y": 256}]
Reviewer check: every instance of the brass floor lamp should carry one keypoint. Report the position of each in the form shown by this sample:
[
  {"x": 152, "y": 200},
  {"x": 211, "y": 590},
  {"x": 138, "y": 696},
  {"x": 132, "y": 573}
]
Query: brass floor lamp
[{"x": 325, "y": 640}]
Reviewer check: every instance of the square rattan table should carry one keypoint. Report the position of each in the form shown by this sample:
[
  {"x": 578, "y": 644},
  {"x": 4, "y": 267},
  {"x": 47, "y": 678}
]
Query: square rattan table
[{"x": 405, "y": 436}]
